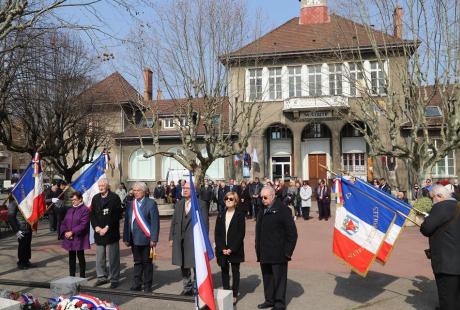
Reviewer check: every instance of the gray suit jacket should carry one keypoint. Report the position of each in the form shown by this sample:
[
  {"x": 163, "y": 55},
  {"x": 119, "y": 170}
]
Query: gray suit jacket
[{"x": 176, "y": 235}]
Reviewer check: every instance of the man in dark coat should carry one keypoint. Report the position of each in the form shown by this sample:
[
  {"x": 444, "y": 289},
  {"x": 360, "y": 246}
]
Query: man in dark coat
[
  {"x": 105, "y": 220},
  {"x": 159, "y": 191},
  {"x": 276, "y": 237},
  {"x": 141, "y": 231},
  {"x": 384, "y": 186},
  {"x": 52, "y": 198},
  {"x": 442, "y": 227},
  {"x": 181, "y": 238},
  {"x": 323, "y": 194},
  {"x": 205, "y": 194},
  {"x": 231, "y": 187}
]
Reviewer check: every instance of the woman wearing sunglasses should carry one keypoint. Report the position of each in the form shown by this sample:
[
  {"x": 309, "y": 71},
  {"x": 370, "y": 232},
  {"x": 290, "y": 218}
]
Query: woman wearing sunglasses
[{"x": 229, "y": 236}]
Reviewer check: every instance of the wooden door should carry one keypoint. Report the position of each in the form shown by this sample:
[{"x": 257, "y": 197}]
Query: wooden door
[{"x": 315, "y": 170}]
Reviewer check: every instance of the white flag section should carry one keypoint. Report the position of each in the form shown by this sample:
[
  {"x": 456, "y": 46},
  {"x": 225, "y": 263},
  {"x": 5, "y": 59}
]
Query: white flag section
[
  {"x": 254, "y": 156},
  {"x": 203, "y": 253}
]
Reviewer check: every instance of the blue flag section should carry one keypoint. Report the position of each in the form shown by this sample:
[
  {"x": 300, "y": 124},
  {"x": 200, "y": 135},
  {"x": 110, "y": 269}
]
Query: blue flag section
[
  {"x": 25, "y": 185},
  {"x": 91, "y": 175},
  {"x": 403, "y": 209},
  {"x": 361, "y": 226}
]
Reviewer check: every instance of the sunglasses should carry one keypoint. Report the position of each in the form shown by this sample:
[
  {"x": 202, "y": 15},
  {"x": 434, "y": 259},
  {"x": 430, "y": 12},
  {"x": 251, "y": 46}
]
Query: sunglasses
[
  {"x": 265, "y": 197},
  {"x": 228, "y": 198}
]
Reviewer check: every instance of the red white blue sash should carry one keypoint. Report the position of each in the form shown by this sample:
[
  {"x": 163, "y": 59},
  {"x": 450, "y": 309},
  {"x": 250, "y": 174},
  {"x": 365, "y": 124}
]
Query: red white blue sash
[{"x": 140, "y": 219}]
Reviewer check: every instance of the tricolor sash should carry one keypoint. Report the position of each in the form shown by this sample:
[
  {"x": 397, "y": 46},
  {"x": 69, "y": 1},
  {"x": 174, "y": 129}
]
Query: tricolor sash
[{"x": 140, "y": 219}]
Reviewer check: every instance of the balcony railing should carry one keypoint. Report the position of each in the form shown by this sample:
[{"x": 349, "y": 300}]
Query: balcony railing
[{"x": 315, "y": 103}]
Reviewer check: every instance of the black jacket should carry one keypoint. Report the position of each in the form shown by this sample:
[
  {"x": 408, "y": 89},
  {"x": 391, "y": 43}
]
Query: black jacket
[
  {"x": 245, "y": 198},
  {"x": 235, "y": 237},
  {"x": 106, "y": 214},
  {"x": 206, "y": 194},
  {"x": 444, "y": 240},
  {"x": 276, "y": 234},
  {"x": 159, "y": 192}
]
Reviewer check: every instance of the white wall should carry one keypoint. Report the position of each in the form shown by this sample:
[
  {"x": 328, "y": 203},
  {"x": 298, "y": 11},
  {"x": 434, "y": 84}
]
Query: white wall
[{"x": 354, "y": 145}]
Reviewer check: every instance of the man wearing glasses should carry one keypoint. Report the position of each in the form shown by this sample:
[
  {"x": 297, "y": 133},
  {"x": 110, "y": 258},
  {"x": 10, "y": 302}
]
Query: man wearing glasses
[{"x": 276, "y": 237}]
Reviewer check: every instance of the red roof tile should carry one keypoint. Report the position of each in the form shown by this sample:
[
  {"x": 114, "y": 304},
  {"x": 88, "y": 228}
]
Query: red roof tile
[{"x": 113, "y": 89}]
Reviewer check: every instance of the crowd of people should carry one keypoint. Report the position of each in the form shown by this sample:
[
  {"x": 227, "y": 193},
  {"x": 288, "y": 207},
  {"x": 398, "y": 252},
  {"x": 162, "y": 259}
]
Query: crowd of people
[{"x": 275, "y": 206}]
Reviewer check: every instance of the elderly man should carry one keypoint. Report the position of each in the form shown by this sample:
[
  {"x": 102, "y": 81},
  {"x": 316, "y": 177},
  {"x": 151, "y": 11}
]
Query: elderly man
[
  {"x": 276, "y": 237},
  {"x": 442, "y": 227},
  {"x": 105, "y": 220},
  {"x": 141, "y": 230},
  {"x": 181, "y": 238}
]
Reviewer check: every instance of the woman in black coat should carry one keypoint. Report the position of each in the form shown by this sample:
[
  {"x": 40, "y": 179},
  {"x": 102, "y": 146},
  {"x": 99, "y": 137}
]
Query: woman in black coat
[
  {"x": 245, "y": 198},
  {"x": 229, "y": 236}
]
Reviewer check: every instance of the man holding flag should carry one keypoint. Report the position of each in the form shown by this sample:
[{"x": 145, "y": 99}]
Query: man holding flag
[
  {"x": 26, "y": 205},
  {"x": 181, "y": 236}
]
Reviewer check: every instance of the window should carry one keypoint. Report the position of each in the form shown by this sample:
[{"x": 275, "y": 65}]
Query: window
[
  {"x": 255, "y": 84},
  {"x": 355, "y": 75},
  {"x": 216, "y": 120},
  {"x": 274, "y": 83},
  {"x": 314, "y": 80},
  {"x": 353, "y": 162},
  {"x": 433, "y": 111},
  {"x": 169, "y": 164},
  {"x": 141, "y": 168},
  {"x": 316, "y": 130},
  {"x": 149, "y": 122},
  {"x": 279, "y": 132},
  {"x": 446, "y": 166},
  {"x": 335, "y": 79},
  {"x": 295, "y": 81},
  {"x": 377, "y": 78},
  {"x": 183, "y": 122},
  {"x": 168, "y": 123},
  {"x": 281, "y": 167}
]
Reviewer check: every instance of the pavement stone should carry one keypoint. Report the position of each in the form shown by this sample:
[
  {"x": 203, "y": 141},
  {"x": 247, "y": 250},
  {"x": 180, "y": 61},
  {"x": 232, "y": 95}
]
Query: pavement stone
[{"x": 316, "y": 279}]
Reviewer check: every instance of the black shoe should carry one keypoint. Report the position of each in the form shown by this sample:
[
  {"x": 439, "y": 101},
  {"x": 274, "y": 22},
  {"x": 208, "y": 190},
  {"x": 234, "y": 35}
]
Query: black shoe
[
  {"x": 30, "y": 265},
  {"x": 113, "y": 285},
  {"x": 101, "y": 282},
  {"x": 265, "y": 305},
  {"x": 135, "y": 288},
  {"x": 187, "y": 293},
  {"x": 148, "y": 290}
]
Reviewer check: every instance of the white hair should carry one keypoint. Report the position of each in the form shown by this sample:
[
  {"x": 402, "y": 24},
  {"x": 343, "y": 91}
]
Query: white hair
[
  {"x": 269, "y": 189},
  {"x": 140, "y": 185},
  {"x": 103, "y": 181},
  {"x": 440, "y": 191}
]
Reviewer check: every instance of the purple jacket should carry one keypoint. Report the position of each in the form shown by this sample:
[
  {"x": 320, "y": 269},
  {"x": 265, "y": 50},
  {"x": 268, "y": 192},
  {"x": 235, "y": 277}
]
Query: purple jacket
[{"x": 76, "y": 220}]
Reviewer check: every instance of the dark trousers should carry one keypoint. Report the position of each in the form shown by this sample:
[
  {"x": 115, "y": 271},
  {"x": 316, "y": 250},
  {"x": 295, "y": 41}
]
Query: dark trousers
[
  {"x": 275, "y": 281},
  {"x": 324, "y": 208},
  {"x": 297, "y": 209},
  {"x": 448, "y": 291},
  {"x": 235, "y": 276},
  {"x": 306, "y": 213},
  {"x": 143, "y": 267},
  {"x": 24, "y": 250},
  {"x": 73, "y": 263},
  {"x": 255, "y": 209},
  {"x": 52, "y": 219}
]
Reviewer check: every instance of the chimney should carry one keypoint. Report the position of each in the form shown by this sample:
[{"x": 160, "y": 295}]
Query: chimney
[
  {"x": 397, "y": 21},
  {"x": 147, "y": 84},
  {"x": 313, "y": 12},
  {"x": 159, "y": 94}
]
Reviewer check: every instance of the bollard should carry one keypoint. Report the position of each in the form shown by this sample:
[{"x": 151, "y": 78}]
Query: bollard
[
  {"x": 66, "y": 286},
  {"x": 224, "y": 299},
  {"x": 8, "y": 304}
]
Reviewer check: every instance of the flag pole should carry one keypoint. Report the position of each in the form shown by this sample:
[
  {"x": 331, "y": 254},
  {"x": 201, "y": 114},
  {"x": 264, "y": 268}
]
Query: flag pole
[
  {"x": 395, "y": 200},
  {"x": 383, "y": 205}
]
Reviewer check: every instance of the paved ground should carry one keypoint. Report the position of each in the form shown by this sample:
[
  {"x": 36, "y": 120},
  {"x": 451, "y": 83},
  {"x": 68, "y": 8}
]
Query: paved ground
[{"x": 317, "y": 280}]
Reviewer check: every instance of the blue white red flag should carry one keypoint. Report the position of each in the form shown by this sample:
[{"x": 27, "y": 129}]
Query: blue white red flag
[
  {"x": 29, "y": 192},
  {"x": 395, "y": 204},
  {"x": 86, "y": 183},
  {"x": 203, "y": 253},
  {"x": 361, "y": 226},
  {"x": 236, "y": 159},
  {"x": 338, "y": 191}
]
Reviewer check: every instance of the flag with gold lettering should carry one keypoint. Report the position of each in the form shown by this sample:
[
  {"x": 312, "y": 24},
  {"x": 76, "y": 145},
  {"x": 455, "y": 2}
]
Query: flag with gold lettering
[{"x": 361, "y": 226}]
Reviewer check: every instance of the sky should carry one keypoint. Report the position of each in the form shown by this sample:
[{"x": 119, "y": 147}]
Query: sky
[{"x": 115, "y": 22}]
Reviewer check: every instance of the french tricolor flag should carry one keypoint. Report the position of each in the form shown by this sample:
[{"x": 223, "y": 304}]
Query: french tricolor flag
[
  {"x": 361, "y": 226},
  {"x": 29, "y": 192},
  {"x": 86, "y": 183},
  {"x": 403, "y": 209},
  {"x": 203, "y": 253}
]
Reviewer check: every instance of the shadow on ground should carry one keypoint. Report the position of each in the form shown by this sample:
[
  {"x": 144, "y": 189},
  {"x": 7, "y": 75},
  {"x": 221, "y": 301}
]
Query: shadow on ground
[{"x": 367, "y": 290}]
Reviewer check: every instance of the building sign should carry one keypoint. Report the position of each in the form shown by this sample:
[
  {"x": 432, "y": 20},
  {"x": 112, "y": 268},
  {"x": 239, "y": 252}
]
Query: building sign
[{"x": 316, "y": 114}]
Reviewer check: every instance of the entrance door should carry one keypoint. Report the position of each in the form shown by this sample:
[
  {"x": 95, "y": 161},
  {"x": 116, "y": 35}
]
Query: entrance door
[
  {"x": 315, "y": 171},
  {"x": 281, "y": 167}
]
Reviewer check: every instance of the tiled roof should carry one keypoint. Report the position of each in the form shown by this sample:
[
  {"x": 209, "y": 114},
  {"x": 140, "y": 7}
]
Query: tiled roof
[
  {"x": 112, "y": 89},
  {"x": 292, "y": 37}
]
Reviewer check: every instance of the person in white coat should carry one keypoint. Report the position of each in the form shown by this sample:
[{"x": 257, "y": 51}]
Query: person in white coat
[{"x": 305, "y": 199}]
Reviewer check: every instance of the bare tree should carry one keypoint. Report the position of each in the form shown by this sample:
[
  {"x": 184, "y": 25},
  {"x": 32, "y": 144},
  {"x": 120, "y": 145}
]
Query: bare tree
[
  {"x": 393, "y": 108},
  {"x": 187, "y": 44},
  {"x": 46, "y": 108}
]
